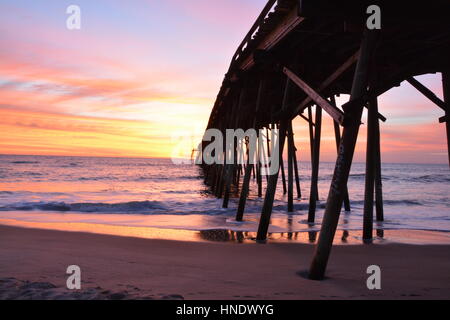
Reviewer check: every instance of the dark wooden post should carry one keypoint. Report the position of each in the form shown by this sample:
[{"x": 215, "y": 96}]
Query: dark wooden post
[
  {"x": 378, "y": 179},
  {"x": 283, "y": 175},
  {"x": 290, "y": 169},
  {"x": 446, "y": 90},
  {"x": 313, "y": 198},
  {"x": 230, "y": 167},
  {"x": 268, "y": 148},
  {"x": 227, "y": 182},
  {"x": 337, "y": 135},
  {"x": 258, "y": 169},
  {"x": 271, "y": 188},
  {"x": 311, "y": 134},
  {"x": 245, "y": 189},
  {"x": 273, "y": 179},
  {"x": 297, "y": 178},
  {"x": 370, "y": 171},
  {"x": 219, "y": 187},
  {"x": 311, "y": 139},
  {"x": 266, "y": 159},
  {"x": 250, "y": 166},
  {"x": 223, "y": 178},
  {"x": 216, "y": 177},
  {"x": 344, "y": 161}
]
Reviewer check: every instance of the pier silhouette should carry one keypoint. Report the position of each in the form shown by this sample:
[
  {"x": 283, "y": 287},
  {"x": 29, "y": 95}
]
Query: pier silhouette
[{"x": 300, "y": 55}]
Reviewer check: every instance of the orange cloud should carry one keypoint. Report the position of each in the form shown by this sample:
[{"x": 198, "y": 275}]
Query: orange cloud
[{"x": 25, "y": 132}]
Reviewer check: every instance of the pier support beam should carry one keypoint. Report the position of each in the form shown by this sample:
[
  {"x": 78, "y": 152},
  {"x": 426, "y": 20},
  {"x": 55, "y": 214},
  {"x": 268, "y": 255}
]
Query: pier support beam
[
  {"x": 271, "y": 188},
  {"x": 311, "y": 139},
  {"x": 344, "y": 161},
  {"x": 273, "y": 179},
  {"x": 314, "y": 191},
  {"x": 444, "y": 105},
  {"x": 290, "y": 169},
  {"x": 250, "y": 166},
  {"x": 378, "y": 180},
  {"x": 294, "y": 159},
  {"x": 446, "y": 90},
  {"x": 244, "y": 191},
  {"x": 230, "y": 168},
  {"x": 337, "y": 136},
  {"x": 370, "y": 171},
  {"x": 258, "y": 170},
  {"x": 283, "y": 175}
]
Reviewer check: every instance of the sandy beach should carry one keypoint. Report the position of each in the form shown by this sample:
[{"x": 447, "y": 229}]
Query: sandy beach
[{"x": 33, "y": 264}]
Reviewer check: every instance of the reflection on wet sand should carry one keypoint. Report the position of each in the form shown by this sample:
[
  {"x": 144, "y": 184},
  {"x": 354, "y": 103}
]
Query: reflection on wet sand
[
  {"x": 380, "y": 233},
  {"x": 222, "y": 235},
  {"x": 342, "y": 237},
  {"x": 312, "y": 236}
]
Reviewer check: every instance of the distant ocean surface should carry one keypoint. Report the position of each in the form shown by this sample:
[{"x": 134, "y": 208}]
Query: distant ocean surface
[{"x": 158, "y": 193}]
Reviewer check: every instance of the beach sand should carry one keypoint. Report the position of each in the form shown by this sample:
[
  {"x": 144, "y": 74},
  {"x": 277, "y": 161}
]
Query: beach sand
[{"x": 33, "y": 263}]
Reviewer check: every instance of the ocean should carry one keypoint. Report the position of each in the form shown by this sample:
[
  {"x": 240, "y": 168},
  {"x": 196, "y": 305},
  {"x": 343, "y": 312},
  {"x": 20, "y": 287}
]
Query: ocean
[{"x": 155, "y": 193}]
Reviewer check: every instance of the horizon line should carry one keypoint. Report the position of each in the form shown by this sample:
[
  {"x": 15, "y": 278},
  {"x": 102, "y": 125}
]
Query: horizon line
[{"x": 169, "y": 158}]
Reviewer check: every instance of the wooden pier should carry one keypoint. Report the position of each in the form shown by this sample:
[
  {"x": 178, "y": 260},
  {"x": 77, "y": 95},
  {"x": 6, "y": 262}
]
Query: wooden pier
[{"x": 300, "y": 55}]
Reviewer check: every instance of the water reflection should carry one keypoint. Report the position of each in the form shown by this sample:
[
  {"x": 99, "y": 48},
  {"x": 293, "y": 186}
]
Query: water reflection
[
  {"x": 345, "y": 233},
  {"x": 216, "y": 235},
  {"x": 310, "y": 237}
]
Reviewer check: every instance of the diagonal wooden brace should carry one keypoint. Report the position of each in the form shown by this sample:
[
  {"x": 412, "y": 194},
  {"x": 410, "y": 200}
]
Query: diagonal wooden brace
[
  {"x": 325, "y": 84},
  {"x": 428, "y": 93},
  {"x": 333, "y": 111}
]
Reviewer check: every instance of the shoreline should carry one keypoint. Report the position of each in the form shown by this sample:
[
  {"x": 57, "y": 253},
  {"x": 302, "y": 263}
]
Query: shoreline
[
  {"x": 155, "y": 269},
  {"x": 342, "y": 237}
]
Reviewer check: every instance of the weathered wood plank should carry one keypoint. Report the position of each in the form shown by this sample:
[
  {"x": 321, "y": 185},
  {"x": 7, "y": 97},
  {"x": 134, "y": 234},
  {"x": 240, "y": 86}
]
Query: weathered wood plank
[{"x": 289, "y": 22}]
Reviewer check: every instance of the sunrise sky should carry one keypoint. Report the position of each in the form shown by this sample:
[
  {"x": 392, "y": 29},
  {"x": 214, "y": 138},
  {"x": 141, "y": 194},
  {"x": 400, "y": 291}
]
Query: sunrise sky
[{"x": 141, "y": 73}]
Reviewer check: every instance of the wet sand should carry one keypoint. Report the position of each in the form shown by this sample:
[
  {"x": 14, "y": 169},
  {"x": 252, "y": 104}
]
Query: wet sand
[{"x": 33, "y": 264}]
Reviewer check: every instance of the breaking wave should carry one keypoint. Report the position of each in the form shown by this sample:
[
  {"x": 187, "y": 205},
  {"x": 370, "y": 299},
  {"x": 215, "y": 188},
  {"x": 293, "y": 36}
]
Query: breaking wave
[{"x": 124, "y": 207}]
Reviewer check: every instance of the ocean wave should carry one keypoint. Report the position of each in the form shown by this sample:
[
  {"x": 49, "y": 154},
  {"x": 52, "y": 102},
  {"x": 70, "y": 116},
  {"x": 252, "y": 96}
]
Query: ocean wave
[
  {"x": 177, "y": 191},
  {"x": 357, "y": 175},
  {"x": 164, "y": 178},
  {"x": 69, "y": 165},
  {"x": 297, "y": 206},
  {"x": 33, "y": 174},
  {"x": 94, "y": 178},
  {"x": 433, "y": 178},
  {"x": 403, "y": 202},
  {"x": 25, "y": 162},
  {"x": 438, "y": 178},
  {"x": 123, "y": 207},
  {"x": 392, "y": 202}
]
